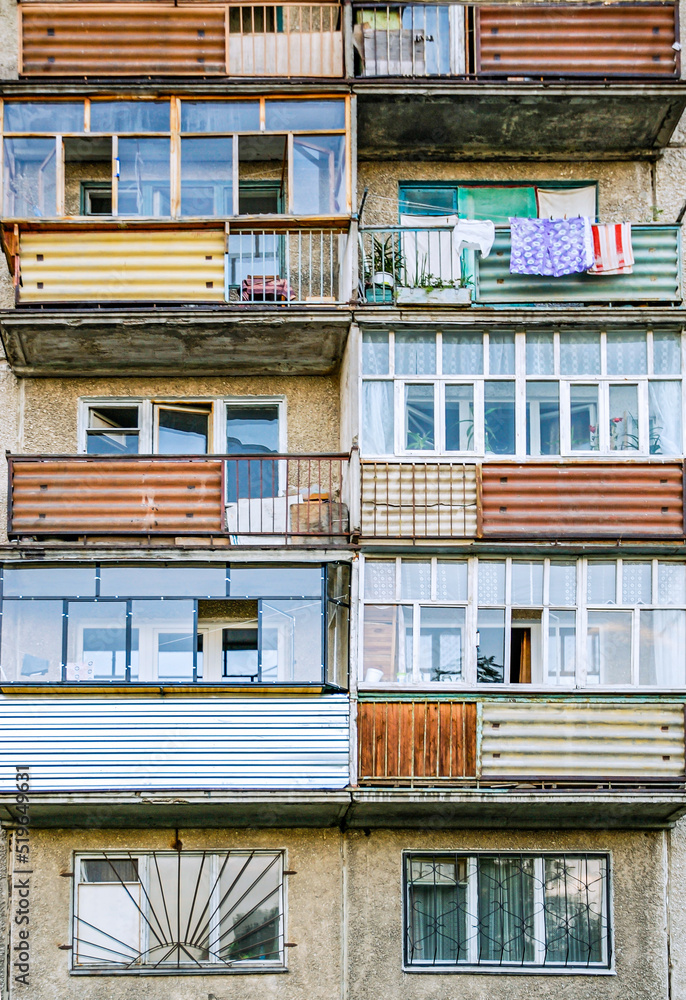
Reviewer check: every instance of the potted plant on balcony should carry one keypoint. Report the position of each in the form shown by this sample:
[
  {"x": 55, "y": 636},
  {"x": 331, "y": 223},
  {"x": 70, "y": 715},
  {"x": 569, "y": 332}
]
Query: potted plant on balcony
[
  {"x": 434, "y": 290},
  {"x": 383, "y": 267}
]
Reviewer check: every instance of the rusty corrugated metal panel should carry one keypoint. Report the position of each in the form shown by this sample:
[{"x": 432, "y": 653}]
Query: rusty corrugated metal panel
[
  {"x": 583, "y": 499},
  {"x": 129, "y": 266},
  {"x": 563, "y": 40},
  {"x": 419, "y": 499},
  {"x": 413, "y": 741},
  {"x": 122, "y": 40},
  {"x": 582, "y": 740},
  {"x": 72, "y": 496}
]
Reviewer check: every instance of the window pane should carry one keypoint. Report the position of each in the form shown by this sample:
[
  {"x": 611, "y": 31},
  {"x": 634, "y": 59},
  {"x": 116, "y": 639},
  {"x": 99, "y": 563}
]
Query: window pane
[
  {"x": 623, "y": 418},
  {"x": 387, "y": 643},
  {"x": 220, "y": 116},
  {"x": 379, "y": 579},
  {"x": 671, "y": 583},
  {"x": 337, "y": 644},
  {"x": 506, "y": 909},
  {"x": 112, "y": 430},
  {"x": 292, "y": 641},
  {"x": 561, "y": 647},
  {"x": 415, "y": 354},
  {"x": 637, "y": 582},
  {"x": 276, "y": 581},
  {"x": 601, "y": 583},
  {"x": 206, "y": 177},
  {"x": 96, "y": 641},
  {"x": 491, "y": 582},
  {"x": 250, "y": 908},
  {"x": 419, "y": 417},
  {"x": 252, "y": 430},
  {"x": 609, "y": 647},
  {"x": 459, "y": 418},
  {"x": 129, "y": 116},
  {"x": 284, "y": 116},
  {"x": 490, "y": 663},
  {"x": 377, "y": 423},
  {"x": 427, "y": 200},
  {"x": 542, "y": 418},
  {"x": 437, "y": 910},
  {"x": 666, "y": 353},
  {"x": 319, "y": 175},
  {"x": 498, "y": 203},
  {"x": 31, "y": 641},
  {"x": 580, "y": 354},
  {"x": 665, "y": 418},
  {"x": 109, "y": 870},
  {"x": 166, "y": 636},
  {"x": 627, "y": 354},
  {"x": 144, "y": 177},
  {"x": 55, "y": 117},
  {"x": 183, "y": 430},
  {"x": 375, "y": 354},
  {"x": 662, "y": 652},
  {"x": 499, "y": 418},
  {"x": 163, "y": 581},
  {"x": 51, "y": 581},
  {"x": 540, "y": 355},
  {"x": 415, "y": 580},
  {"x": 463, "y": 354},
  {"x": 527, "y": 583},
  {"x": 441, "y": 642},
  {"x": 575, "y": 922},
  {"x": 29, "y": 178},
  {"x": 501, "y": 354},
  {"x": 451, "y": 582},
  {"x": 562, "y": 586},
  {"x": 584, "y": 417}
]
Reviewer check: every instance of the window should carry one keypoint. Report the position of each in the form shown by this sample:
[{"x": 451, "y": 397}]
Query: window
[
  {"x": 514, "y": 911},
  {"x": 582, "y": 623},
  {"x": 165, "y": 911},
  {"x": 498, "y": 202},
  {"x": 534, "y": 394}
]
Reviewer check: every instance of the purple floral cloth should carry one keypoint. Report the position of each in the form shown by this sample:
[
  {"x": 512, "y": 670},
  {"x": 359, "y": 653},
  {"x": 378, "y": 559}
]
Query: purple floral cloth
[{"x": 552, "y": 247}]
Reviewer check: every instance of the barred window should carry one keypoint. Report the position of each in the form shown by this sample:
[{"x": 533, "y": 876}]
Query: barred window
[
  {"x": 507, "y": 910},
  {"x": 165, "y": 911}
]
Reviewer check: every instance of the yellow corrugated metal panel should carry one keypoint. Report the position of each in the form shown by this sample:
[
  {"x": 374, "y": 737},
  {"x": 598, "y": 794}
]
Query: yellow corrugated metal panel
[
  {"x": 582, "y": 740},
  {"x": 424, "y": 500},
  {"x": 126, "y": 265}
]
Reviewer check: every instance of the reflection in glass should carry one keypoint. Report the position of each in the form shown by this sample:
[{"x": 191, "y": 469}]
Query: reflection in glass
[
  {"x": 144, "y": 177},
  {"x": 49, "y": 581},
  {"x": 276, "y": 581},
  {"x": 387, "y": 643},
  {"x": 162, "y": 581},
  {"x": 506, "y": 909},
  {"x": 662, "y": 648},
  {"x": 285, "y": 116},
  {"x": 337, "y": 645},
  {"x": 499, "y": 418},
  {"x": 166, "y": 636},
  {"x": 31, "y": 641},
  {"x": 419, "y": 418},
  {"x": 207, "y": 177},
  {"x": 664, "y": 420},
  {"x": 112, "y": 430},
  {"x": 584, "y": 417},
  {"x": 441, "y": 644},
  {"x": 220, "y": 116},
  {"x": 291, "y": 641},
  {"x": 490, "y": 662},
  {"x": 575, "y": 903},
  {"x": 252, "y": 430},
  {"x": 561, "y": 647},
  {"x": 29, "y": 178},
  {"x": 609, "y": 647},
  {"x": 319, "y": 175},
  {"x": 459, "y": 418},
  {"x": 542, "y": 418},
  {"x": 624, "y": 418},
  {"x": 129, "y": 116},
  {"x": 240, "y": 658},
  {"x": 183, "y": 430},
  {"x": 56, "y": 117},
  {"x": 377, "y": 418},
  {"x": 96, "y": 641}
]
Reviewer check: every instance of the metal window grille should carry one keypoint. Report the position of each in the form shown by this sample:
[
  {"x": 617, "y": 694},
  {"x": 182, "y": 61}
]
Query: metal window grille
[
  {"x": 507, "y": 910},
  {"x": 170, "y": 911}
]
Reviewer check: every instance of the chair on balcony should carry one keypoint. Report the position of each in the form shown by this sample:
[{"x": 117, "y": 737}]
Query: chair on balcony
[{"x": 266, "y": 288}]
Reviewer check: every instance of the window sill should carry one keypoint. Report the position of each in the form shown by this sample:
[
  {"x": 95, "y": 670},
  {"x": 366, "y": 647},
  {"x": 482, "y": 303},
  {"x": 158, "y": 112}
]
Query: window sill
[
  {"x": 204, "y": 971},
  {"x": 145, "y": 690},
  {"x": 505, "y": 971}
]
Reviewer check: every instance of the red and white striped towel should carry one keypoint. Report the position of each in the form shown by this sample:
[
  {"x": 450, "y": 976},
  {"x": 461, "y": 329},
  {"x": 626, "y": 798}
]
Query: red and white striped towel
[{"x": 612, "y": 250}]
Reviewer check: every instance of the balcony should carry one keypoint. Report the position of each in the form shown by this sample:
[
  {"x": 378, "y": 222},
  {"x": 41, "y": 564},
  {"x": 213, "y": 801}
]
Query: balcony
[
  {"x": 247, "y": 500},
  {"x": 292, "y": 40},
  {"x": 406, "y": 266}
]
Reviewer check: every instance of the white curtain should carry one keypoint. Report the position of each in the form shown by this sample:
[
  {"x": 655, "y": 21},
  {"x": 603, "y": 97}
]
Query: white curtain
[
  {"x": 662, "y": 652},
  {"x": 665, "y": 418},
  {"x": 377, "y": 423}
]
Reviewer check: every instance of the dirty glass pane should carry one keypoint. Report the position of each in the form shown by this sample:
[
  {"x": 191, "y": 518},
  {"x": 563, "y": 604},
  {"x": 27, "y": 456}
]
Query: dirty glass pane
[
  {"x": 419, "y": 418},
  {"x": 501, "y": 354},
  {"x": 55, "y": 117},
  {"x": 542, "y": 418},
  {"x": 459, "y": 418},
  {"x": 129, "y": 116},
  {"x": 664, "y": 420},
  {"x": 220, "y": 116},
  {"x": 166, "y": 636},
  {"x": 49, "y": 581},
  {"x": 540, "y": 354},
  {"x": 583, "y": 403},
  {"x": 29, "y": 178},
  {"x": 490, "y": 663},
  {"x": 580, "y": 354},
  {"x": 96, "y": 641},
  {"x": 609, "y": 647},
  {"x": 144, "y": 177},
  {"x": 291, "y": 641},
  {"x": 207, "y": 177},
  {"x": 666, "y": 353},
  {"x": 627, "y": 354},
  {"x": 377, "y": 423},
  {"x": 375, "y": 354},
  {"x": 415, "y": 354},
  {"x": 287, "y": 116},
  {"x": 623, "y": 418},
  {"x": 561, "y": 647},
  {"x": 415, "y": 579},
  {"x": 387, "y": 637},
  {"x": 499, "y": 418},
  {"x": 662, "y": 653},
  {"x": 31, "y": 641},
  {"x": 319, "y": 175},
  {"x": 463, "y": 354},
  {"x": 441, "y": 644}
]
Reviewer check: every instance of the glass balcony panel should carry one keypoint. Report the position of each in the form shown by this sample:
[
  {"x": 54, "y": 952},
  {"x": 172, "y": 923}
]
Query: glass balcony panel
[
  {"x": 144, "y": 177},
  {"x": 30, "y": 178},
  {"x": 31, "y": 642}
]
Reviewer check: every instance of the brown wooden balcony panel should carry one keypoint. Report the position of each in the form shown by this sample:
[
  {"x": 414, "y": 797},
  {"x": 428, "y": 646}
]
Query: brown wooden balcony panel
[
  {"x": 583, "y": 499},
  {"x": 401, "y": 741}
]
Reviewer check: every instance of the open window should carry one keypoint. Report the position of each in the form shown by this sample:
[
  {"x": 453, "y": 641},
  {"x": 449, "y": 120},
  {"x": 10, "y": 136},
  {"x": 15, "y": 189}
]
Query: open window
[{"x": 88, "y": 175}]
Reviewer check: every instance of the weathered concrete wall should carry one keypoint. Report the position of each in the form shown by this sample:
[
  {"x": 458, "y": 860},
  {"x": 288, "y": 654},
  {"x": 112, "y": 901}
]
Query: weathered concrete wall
[
  {"x": 51, "y": 406},
  {"x": 676, "y": 840},
  {"x": 9, "y": 40}
]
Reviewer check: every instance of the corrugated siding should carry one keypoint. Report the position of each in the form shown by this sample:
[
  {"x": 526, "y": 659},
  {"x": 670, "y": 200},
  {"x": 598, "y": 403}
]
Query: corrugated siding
[
  {"x": 122, "y": 39},
  {"x": 130, "y": 266},
  {"x": 566, "y": 740},
  {"x": 117, "y": 743},
  {"x": 656, "y": 275},
  {"x": 71, "y": 496},
  {"x": 573, "y": 40},
  {"x": 416, "y": 740},
  {"x": 423, "y": 500},
  {"x": 582, "y": 499}
]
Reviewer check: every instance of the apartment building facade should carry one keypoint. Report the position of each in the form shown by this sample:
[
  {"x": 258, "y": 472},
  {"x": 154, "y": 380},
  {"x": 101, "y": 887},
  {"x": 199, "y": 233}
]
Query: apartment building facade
[{"x": 343, "y": 645}]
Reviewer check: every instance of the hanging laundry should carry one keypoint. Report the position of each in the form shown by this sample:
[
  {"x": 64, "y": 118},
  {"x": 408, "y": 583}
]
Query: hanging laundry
[
  {"x": 550, "y": 247},
  {"x": 566, "y": 203},
  {"x": 612, "y": 250},
  {"x": 475, "y": 234}
]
